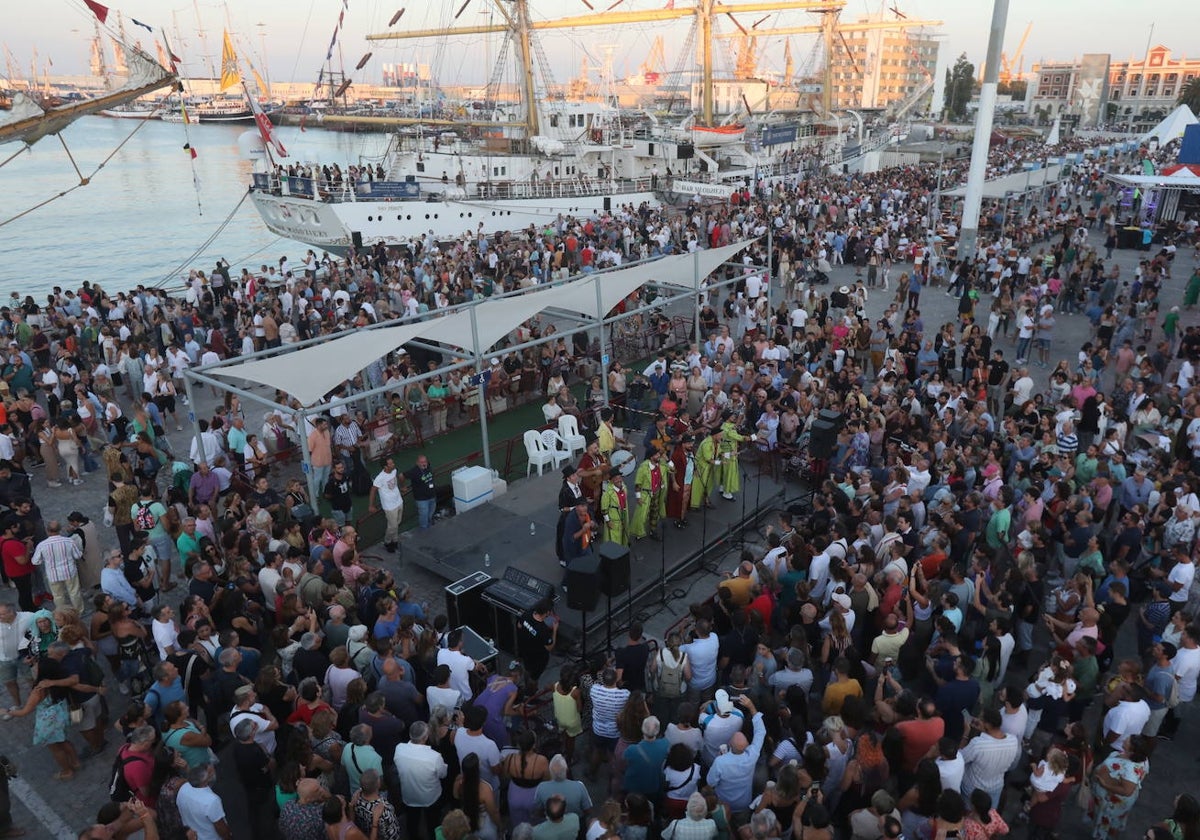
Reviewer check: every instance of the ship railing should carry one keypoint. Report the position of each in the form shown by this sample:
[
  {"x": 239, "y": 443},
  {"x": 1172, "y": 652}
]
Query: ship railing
[{"x": 582, "y": 185}]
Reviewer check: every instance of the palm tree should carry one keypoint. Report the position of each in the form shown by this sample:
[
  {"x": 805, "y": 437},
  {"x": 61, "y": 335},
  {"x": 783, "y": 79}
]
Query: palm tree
[{"x": 1189, "y": 95}]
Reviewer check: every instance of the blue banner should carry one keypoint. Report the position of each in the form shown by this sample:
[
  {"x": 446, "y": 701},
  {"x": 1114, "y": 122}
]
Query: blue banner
[
  {"x": 777, "y": 134},
  {"x": 300, "y": 186},
  {"x": 390, "y": 189}
]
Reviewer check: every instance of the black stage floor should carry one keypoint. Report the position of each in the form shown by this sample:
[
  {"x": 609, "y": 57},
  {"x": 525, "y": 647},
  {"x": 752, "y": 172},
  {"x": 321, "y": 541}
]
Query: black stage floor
[{"x": 517, "y": 529}]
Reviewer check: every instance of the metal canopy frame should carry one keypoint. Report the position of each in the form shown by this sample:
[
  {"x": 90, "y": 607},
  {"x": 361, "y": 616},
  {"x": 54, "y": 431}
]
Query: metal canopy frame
[{"x": 472, "y": 358}]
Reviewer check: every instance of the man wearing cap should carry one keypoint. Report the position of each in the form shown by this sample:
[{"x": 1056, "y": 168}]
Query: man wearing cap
[
  {"x": 614, "y": 509},
  {"x": 650, "y": 492}
]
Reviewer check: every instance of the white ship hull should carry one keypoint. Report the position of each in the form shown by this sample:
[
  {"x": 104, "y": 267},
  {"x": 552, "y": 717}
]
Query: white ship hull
[{"x": 332, "y": 227}]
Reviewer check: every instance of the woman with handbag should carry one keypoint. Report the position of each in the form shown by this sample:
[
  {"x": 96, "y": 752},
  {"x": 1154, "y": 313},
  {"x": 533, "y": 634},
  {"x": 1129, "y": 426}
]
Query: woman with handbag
[{"x": 50, "y": 703}]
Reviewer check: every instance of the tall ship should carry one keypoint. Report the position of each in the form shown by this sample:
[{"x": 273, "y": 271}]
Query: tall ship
[{"x": 512, "y": 166}]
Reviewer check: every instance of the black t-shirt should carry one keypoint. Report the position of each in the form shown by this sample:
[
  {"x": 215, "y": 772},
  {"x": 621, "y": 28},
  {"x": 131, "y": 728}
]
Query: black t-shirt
[
  {"x": 206, "y": 589},
  {"x": 422, "y": 483},
  {"x": 532, "y": 638},
  {"x": 52, "y": 669},
  {"x": 631, "y": 660},
  {"x": 999, "y": 370},
  {"x": 338, "y": 493},
  {"x": 135, "y": 569},
  {"x": 253, "y": 766}
]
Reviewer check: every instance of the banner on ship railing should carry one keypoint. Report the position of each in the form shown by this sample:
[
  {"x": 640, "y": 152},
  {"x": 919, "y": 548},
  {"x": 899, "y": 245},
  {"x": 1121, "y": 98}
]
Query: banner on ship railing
[{"x": 777, "y": 134}]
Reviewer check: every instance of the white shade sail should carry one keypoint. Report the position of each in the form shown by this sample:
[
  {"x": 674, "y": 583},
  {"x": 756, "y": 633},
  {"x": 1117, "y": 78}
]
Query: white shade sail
[
  {"x": 308, "y": 374},
  {"x": 311, "y": 372}
]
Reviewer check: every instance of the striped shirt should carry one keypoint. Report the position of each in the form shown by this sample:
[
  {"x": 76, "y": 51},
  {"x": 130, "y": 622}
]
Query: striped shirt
[
  {"x": 59, "y": 554},
  {"x": 987, "y": 759},
  {"x": 606, "y": 705}
]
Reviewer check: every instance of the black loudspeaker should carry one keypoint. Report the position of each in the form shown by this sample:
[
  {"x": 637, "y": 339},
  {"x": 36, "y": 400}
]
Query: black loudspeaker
[
  {"x": 356, "y": 238},
  {"x": 608, "y": 204},
  {"x": 614, "y": 568},
  {"x": 685, "y": 151},
  {"x": 583, "y": 583},
  {"x": 465, "y": 605},
  {"x": 822, "y": 441}
]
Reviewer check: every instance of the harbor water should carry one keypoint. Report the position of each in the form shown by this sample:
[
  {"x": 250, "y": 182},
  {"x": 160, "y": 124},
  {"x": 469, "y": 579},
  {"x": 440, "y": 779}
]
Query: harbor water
[{"x": 143, "y": 213}]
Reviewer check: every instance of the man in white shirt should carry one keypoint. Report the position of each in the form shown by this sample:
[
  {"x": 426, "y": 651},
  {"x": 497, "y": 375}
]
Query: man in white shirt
[
  {"x": 166, "y": 633},
  {"x": 421, "y": 770},
  {"x": 386, "y": 488},
  {"x": 702, "y": 651},
  {"x": 459, "y": 663},
  {"x": 1180, "y": 579},
  {"x": 1128, "y": 717},
  {"x": 200, "y": 809},
  {"x": 1022, "y": 387}
]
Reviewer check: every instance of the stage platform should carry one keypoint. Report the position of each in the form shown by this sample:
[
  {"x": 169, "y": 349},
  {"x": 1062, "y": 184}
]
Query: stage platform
[{"x": 517, "y": 529}]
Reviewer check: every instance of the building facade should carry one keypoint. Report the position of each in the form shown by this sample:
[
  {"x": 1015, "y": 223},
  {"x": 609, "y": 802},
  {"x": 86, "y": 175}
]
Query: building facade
[
  {"x": 878, "y": 68},
  {"x": 1140, "y": 90}
]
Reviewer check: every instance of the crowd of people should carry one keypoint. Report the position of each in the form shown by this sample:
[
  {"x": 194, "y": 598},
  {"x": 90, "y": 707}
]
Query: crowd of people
[{"x": 940, "y": 622}]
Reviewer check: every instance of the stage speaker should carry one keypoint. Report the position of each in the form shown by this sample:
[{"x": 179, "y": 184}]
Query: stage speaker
[
  {"x": 614, "y": 568},
  {"x": 685, "y": 151},
  {"x": 356, "y": 238},
  {"x": 465, "y": 604},
  {"x": 583, "y": 583},
  {"x": 822, "y": 441},
  {"x": 608, "y": 204}
]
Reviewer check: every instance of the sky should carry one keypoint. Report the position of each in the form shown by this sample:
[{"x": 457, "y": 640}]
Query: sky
[{"x": 295, "y": 34}]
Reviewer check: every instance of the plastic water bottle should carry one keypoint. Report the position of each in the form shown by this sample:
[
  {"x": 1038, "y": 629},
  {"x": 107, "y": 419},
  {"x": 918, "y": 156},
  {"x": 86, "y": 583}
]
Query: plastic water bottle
[
  {"x": 487, "y": 561},
  {"x": 532, "y": 528}
]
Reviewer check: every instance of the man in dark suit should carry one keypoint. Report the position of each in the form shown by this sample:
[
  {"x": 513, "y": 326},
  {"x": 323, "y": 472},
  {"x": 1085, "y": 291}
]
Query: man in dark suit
[{"x": 568, "y": 495}]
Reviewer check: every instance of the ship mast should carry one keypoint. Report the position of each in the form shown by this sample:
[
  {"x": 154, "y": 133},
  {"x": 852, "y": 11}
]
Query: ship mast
[{"x": 521, "y": 27}]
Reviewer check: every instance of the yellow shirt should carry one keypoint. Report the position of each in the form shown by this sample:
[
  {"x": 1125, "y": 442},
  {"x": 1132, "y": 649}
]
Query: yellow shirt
[
  {"x": 836, "y": 694},
  {"x": 606, "y": 439},
  {"x": 739, "y": 588}
]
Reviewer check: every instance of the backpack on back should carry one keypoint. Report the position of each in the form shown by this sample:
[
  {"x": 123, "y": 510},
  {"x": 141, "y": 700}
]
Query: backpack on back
[
  {"x": 144, "y": 519},
  {"x": 670, "y": 678},
  {"x": 118, "y": 788}
]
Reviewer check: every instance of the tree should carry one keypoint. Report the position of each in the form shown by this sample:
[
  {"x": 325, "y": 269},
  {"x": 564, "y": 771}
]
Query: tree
[
  {"x": 1016, "y": 89},
  {"x": 1189, "y": 95},
  {"x": 960, "y": 81}
]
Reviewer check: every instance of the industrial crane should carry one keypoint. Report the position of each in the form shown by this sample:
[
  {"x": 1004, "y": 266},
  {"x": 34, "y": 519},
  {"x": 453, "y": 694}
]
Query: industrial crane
[{"x": 1006, "y": 63}]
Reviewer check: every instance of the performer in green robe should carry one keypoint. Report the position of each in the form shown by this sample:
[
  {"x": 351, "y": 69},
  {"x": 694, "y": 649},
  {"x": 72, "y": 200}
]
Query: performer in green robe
[
  {"x": 729, "y": 471},
  {"x": 706, "y": 469},
  {"x": 650, "y": 491},
  {"x": 614, "y": 509}
]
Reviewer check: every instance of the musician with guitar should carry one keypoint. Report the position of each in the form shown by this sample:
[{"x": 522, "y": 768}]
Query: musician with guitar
[{"x": 579, "y": 532}]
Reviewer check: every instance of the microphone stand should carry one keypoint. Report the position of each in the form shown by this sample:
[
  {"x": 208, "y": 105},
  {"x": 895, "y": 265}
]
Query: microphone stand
[
  {"x": 745, "y": 481},
  {"x": 662, "y": 554}
]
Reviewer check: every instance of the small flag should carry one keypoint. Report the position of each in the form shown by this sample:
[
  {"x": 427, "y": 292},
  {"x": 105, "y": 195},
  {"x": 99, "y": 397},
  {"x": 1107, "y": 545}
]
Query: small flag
[
  {"x": 229, "y": 65},
  {"x": 265, "y": 129},
  {"x": 145, "y": 26},
  {"x": 101, "y": 12},
  {"x": 183, "y": 110},
  {"x": 303, "y": 120},
  {"x": 187, "y": 147}
]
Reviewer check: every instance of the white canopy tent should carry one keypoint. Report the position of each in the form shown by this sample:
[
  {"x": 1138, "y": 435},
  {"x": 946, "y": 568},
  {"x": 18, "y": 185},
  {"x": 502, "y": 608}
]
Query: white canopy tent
[
  {"x": 1172, "y": 125},
  {"x": 313, "y": 370},
  {"x": 309, "y": 373},
  {"x": 1180, "y": 179}
]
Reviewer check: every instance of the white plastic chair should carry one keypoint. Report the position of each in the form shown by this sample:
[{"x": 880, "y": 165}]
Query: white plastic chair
[
  {"x": 556, "y": 446},
  {"x": 538, "y": 456},
  {"x": 568, "y": 430}
]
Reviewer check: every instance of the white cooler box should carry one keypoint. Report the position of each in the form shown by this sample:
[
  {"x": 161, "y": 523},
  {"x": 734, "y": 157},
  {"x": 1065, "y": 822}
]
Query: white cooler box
[{"x": 472, "y": 487}]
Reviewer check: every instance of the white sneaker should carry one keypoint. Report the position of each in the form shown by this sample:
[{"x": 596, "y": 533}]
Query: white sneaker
[
  {"x": 728, "y": 496},
  {"x": 54, "y": 483}
]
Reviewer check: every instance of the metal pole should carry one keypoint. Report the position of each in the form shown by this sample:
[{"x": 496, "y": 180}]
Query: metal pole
[
  {"x": 969, "y": 235},
  {"x": 192, "y": 419},
  {"x": 483, "y": 423},
  {"x": 600, "y": 330},
  {"x": 314, "y": 492},
  {"x": 770, "y": 273}
]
